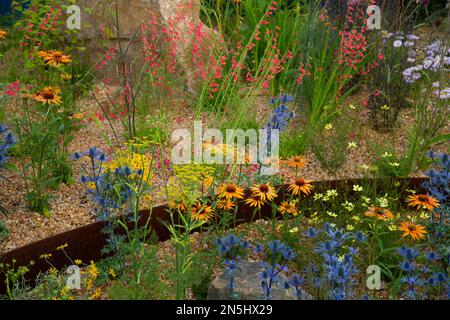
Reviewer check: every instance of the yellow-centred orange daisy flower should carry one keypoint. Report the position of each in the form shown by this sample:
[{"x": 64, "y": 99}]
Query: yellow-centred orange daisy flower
[
  {"x": 254, "y": 201},
  {"x": 225, "y": 204},
  {"x": 289, "y": 208},
  {"x": 422, "y": 201},
  {"x": 415, "y": 231},
  {"x": 265, "y": 191},
  {"x": 3, "y": 34},
  {"x": 230, "y": 191},
  {"x": 201, "y": 212},
  {"x": 380, "y": 213},
  {"x": 48, "y": 95},
  {"x": 54, "y": 58},
  {"x": 297, "y": 162},
  {"x": 300, "y": 185}
]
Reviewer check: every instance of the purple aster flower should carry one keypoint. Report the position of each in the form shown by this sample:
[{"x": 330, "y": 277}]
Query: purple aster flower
[{"x": 398, "y": 43}]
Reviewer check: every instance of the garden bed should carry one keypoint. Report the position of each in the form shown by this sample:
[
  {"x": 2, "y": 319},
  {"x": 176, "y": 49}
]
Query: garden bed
[
  {"x": 136, "y": 148},
  {"x": 85, "y": 243}
]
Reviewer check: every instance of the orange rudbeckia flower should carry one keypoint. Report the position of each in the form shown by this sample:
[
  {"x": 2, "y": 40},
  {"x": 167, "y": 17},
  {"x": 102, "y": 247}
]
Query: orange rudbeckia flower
[
  {"x": 54, "y": 58},
  {"x": 48, "y": 95},
  {"x": 420, "y": 201},
  {"x": 415, "y": 231}
]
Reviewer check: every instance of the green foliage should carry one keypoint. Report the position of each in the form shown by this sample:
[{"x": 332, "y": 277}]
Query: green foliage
[
  {"x": 329, "y": 143},
  {"x": 4, "y": 232},
  {"x": 293, "y": 143},
  {"x": 44, "y": 166},
  {"x": 201, "y": 273},
  {"x": 151, "y": 286},
  {"x": 13, "y": 275}
]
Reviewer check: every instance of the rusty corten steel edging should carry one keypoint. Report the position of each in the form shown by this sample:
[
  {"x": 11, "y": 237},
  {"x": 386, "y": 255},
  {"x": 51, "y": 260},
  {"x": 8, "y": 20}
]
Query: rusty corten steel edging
[{"x": 85, "y": 243}]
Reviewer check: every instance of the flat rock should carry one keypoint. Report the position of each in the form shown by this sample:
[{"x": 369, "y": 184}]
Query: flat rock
[{"x": 248, "y": 285}]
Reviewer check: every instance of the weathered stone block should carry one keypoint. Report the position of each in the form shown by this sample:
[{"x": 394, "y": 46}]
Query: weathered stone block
[{"x": 248, "y": 285}]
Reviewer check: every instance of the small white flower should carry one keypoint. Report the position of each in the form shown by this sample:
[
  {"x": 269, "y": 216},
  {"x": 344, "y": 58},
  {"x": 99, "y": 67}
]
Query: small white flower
[
  {"x": 348, "y": 206},
  {"x": 331, "y": 193},
  {"x": 394, "y": 164},
  {"x": 328, "y": 126},
  {"x": 318, "y": 196},
  {"x": 293, "y": 230},
  {"x": 352, "y": 145},
  {"x": 392, "y": 227},
  {"x": 384, "y": 202},
  {"x": 386, "y": 155},
  {"x": 424, "y": 216},
  {"x": 398, "y": 43},
  {"x": 331, "y": 214},
  {"x": 357, "y": 188}
]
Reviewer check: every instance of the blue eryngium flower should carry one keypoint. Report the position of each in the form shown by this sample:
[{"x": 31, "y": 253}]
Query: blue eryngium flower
[
  {"x": 413, "y": 275},
  {"x": 259, "y": 248},
  {"x": 409, "y": 254},
  {"x": 337, "y": 263},
  {"x": 231, "y": 248},
  {"x": 281, "y": 114},
  {"x": 276, "y": 246},
  {"x": 7, "y": 140},
  {"x": 360, "y": 236},
  {"x": 277, "y": 256},
  {"x": 432, "y": 256},
  {"x": 438, "y": 185},
  {"x": 296, "y": 281},
  {"x": 311, "y": 233},
  {"x": 407, "y": 266}
]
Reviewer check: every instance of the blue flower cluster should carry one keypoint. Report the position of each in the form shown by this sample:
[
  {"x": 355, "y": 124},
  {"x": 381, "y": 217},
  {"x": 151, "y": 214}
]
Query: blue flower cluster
[
  {"x": 96, "y": 183},
  {"x": 105, "y": 193},
  {"x": 278, "y": 255},
  {"x": 281, "y": 114},
  {"x": 439, "y": 184},
  {"x": 7, "y": 140},
  {"x": 231, "y": 248},
  {"x": 437, "y": 56},
  {"x": 426, "y": 277},
  {"x": 338, "y": 267}
]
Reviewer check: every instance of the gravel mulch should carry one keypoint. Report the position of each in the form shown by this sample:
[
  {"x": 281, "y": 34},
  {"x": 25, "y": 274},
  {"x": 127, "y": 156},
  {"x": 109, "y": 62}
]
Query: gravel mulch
[{"x": 72, "y": 208}]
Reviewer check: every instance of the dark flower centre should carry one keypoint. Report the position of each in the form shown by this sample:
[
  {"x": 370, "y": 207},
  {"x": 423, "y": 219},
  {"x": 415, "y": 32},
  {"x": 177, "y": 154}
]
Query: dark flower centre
[
  {"x": 412, "y": 228},
  {"x": 48, "y": 95},
  {"x": 300, "y": 182},
  {"x": 264, "y": 188},
  {"x": 423, "y": 198},
  {"x": 231, "y": 189}
]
